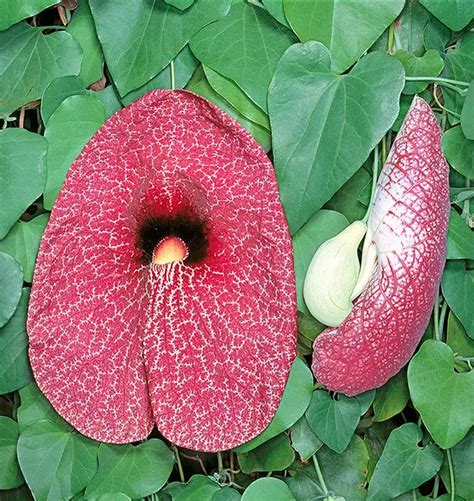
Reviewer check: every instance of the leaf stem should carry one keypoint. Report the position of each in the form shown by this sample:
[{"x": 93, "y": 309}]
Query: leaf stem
[
  {"x": 442, "y": 317},
  {"x": 437, "y": 79},
  {"x": 391, "y": 33},
  {"x": 320, "y": 475},
  {"x": 178, "y": 462},
  {"x": 451, "y": 474},
  {"x": 375, "y": 167},
  {"x": 436, "y": 319},
  {"x": 443, "y": 107},
  {"x": 173, "y": 80},
  {"x": 220, "y": 462}
]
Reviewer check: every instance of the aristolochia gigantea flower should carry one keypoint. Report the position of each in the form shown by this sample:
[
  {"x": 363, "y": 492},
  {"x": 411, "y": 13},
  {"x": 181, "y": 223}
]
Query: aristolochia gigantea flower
[
  {"x": 402, "y": 263},
  {"x": 164, "y": 287}
]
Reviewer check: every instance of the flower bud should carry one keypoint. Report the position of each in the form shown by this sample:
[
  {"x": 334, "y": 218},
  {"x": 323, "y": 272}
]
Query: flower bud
[{"x": 332, "y": 276}]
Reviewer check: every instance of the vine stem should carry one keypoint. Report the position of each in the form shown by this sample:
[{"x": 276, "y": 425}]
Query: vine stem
[
  {"x": 178, "y": 462},
  {"x": 451, "y": 474},
  {"x": 220, "y": 462},
  {"x": 443, "y": 107},
  {"x": 320, "y": 475},
  {"x": 391, "y": 33},
  {"x": 442, "y": 317},
  {"x": 375, "y": 168},
  {"x": 173, "y": 81},
  {"x": 437, "y": 79}
]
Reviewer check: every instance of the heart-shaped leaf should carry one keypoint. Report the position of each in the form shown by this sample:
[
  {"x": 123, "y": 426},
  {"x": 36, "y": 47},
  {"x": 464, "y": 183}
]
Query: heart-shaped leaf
[
  {"x": 258, "y": 41},
  {"x": 332, "y": 23},
  {"x": 22, "y": 243},
  {"x": 429, "y": 65},
  {"x": 31, "y": 60},
  {"x": 335, "y": 122},
  {"x": 457, "y": 338},
  {"x": 156, "y": 35},
  {"x": 333, "y": 420},
  {"x": 392, "y": 397},
  {"x": 11, "y": 282},
  {"x": 137, "y": 471},
  {"x": 71, "y": 459},
  {"x": 458, "y": 290},
  {"x": 408, "y": 30},
  {"x": 431, "y": 380},
  {"x": 22, "y": 174},
  {"x": 10, "y": 474},
  {"x": 15, "y": 369},
  {"x": 294, "y": 402},
  {"x": 403, "y": 465},
  {"x": 34, "y": 407}
]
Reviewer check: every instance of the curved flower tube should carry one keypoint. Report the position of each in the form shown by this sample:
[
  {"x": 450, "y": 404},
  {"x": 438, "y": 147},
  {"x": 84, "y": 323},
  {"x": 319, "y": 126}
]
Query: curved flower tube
[
  {"x": 164, "y": 287},
  {"x": 406, "y": 237}
]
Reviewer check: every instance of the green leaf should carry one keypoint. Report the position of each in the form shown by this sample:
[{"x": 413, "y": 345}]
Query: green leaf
[
  {"x": 335, "y": 122},
  {"x": 408, "y": 30},
  {"x": 459, "y": 151},
  {"x": 22, "y": 174},
  {"x": 258, "y": 42},
  {"x": 11, "y": 282},
  {"x": 432, "y": 379},
  {"x": 56, "y": 461},
  {"x": 333, "y": 420},
  {"x": 304, "y": 440},
  {"x": 467, "y": 114},
  {"x": 14, "y": 11},
  {"x": 225, "y": 494},
  {"x": 392, "y": 397},
  {"x": 463, "y": 465},
  {"x": 459, "y": 65},
  {"x": 137, "y": 471},
  {"x": 457, "y": 338},
  {"x": 10, "y": 474},
  {"x": 82, "y": 28},
  {"x": 455, "y": 14},
  {"x": 274, "y": 455},
  {"x": 199, "y": 488},
  {"x": 267, "y": 489},
  {"x": 275, "y": 7},
  {"x": 345, "y": 474},
  {"x": 15, "y": 370},
  {"x": 154, "y": 35},
  {"x": 460, "y": 238},
  {"x": 35, "y": 407},
  {"x": 184, "y": 66},
  {"x": 324, "y": 225},
  {"x": 403, "y": 465},
  {"x": 293, "y": 404},
  {"x": 57, "y": 91},
  {"x": 69, "y": 128},
  {"x": 109, "y": 98},
  {"x": 30, "y": 61},
  {"x": 347, "y": 29},
  {"x": 308, "y": 329},
  {"x": 231, "y": 92},
  {"x": 200, "y": 85},
  {"x": 429, "y": 65},
  {"x": 180, "y": 4},
  {"x": 436, "y": 35},
  {"x": 458, "y": 290},
  {"x": 22, "y": 243},
  {"x": 346, "y": 199}
]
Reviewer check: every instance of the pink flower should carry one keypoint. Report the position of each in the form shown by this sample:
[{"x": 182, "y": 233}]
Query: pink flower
[
  {"x": 164, "y": 287},
  {"x": 407, "y": 228}
]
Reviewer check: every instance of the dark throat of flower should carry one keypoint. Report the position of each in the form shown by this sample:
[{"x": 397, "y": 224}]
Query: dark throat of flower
[{"x": 167, "y": 239}]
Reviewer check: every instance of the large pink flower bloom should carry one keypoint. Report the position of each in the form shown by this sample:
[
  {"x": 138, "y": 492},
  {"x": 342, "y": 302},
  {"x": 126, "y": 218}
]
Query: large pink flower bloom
[
  {"x": 408, "y": 228},
  {"x": 200, "y": 344}
]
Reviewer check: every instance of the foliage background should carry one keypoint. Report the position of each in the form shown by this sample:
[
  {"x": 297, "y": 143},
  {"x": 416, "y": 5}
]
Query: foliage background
[{"x": 319, "y": 111}]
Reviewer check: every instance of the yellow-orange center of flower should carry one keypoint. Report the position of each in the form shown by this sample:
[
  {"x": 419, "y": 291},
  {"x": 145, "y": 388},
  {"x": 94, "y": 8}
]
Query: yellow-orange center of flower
[{"x": 170, "y": 250}]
